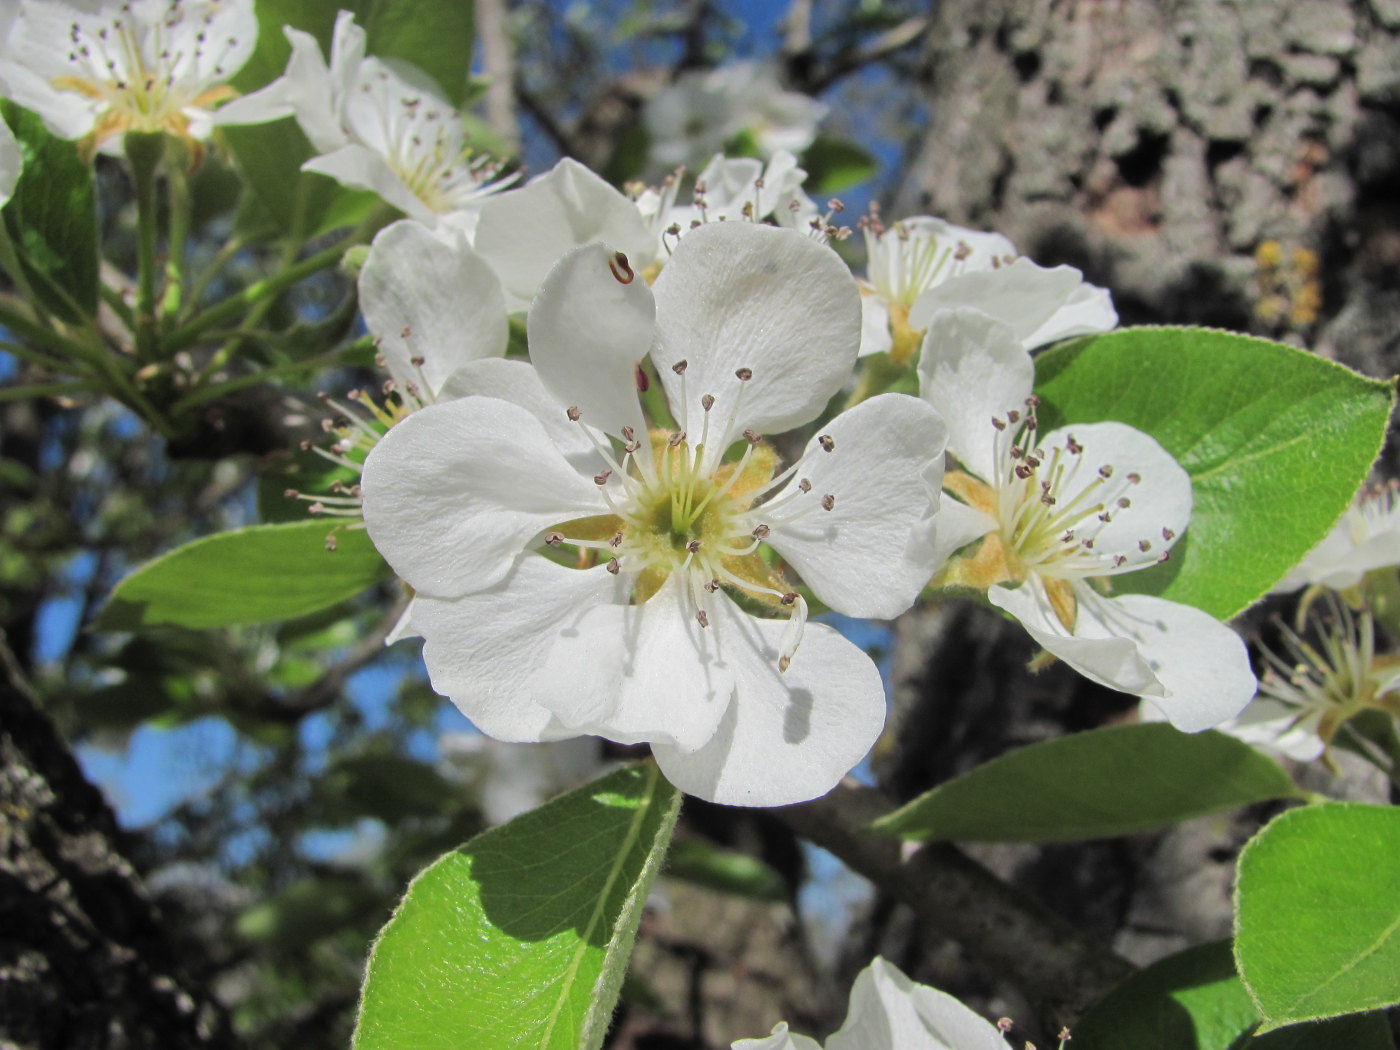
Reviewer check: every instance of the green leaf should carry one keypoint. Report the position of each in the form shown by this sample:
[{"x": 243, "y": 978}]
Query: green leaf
[
  {"x": 306, "y": 911},
  {"x": 1194, "y": 1001},
  {"x": 1317, "y": 912},
  {"x": 434, "y": 36},
  {"x": 52, "y": 218},
  {"x": 520, "y": 938},
  {"x": 259, "y": 574},
  {"x": 1114, "y": 781},
  {"x": 835, "y": 164},
  {"x": 1275, "y": 439}
]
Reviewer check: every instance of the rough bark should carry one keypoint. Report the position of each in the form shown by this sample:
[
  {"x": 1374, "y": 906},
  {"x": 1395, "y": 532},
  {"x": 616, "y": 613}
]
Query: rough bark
[{"x": 85, "y": 963}]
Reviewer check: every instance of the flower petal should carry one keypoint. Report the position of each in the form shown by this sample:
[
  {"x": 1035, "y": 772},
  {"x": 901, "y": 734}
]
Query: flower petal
[
  {"x": 971, "y": 370},
  {"x": 456, "y": 490},
  {"x": 589, "y": 332},
  {"x": 873, "y": 552},
  {"x": 1158, "y": 504},
  {"x": 787, "y": 737},
  {"x": 875, "y": 335},
  {"x": 482, "y": 650},
  {"x": 781, "y": 1039},
  {"x": 425, "y": 297},
  {"x": 1098, "y": 654},
  {"x": 653, "y": 673},
  {"x": 1088, "y": 309},
  {"x": 957, "y": 526},
  {"x": 524, "y": 231},
  {"x": 519, "y": 383},
  {"x": 739, "y": 295},
  {"x": 1023, "y": 296},
  {"x": 1271, "y": 726},
  {"x": 364, "y": 169},
  {"x": 888, "y": 1010}
]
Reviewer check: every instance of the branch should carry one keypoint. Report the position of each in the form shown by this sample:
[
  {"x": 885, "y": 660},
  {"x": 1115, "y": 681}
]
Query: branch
[
  {"x": 1008, "y": 934},
  {"x": 847, "y": 61},
  {"x": 563, "y": 140},
  {"x": 498, "y": 63}
]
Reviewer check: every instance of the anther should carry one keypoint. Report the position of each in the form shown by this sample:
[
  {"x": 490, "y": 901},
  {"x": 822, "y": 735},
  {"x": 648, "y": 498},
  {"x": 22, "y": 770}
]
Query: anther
[
  {"x": 1119, "y": 560},
  {"x": 679, "y": 367},
  {"x": 616, "y": 541},
  {"x": 828, "y": 501},
  {"x": 1166, "y": 555},
  {"x": 702, "y": 618},
  {"x": 760, "y": 531},
  {"x": 1023, "y": 471},
  {"x": 573, "y": 413},
  {"x": 826, "y": 443},
  {"x": 753, "y": 437},
  {"x": 744, "y": 374},
  {"x": 712, "y": 586},
  {"x": 614, "y": 566},
  {"x": 405, "y": 331},
  {"x": 788, "y": 598},
  {"x": 418, "y": 361},
  {"x": 707, "y": 402},
  {"x": 1124, "y": 502},
  {"x": 1033, "y": 401},
  {"x": 676, "y": 438},
  {"x": 602, "y": 479},
  {"x": 1073, "y": 447},
  {"x": 621, "y": 269},
  {"x": 1017, "y": 452},
  {"x": 1014, "y": 416},
  {"x": 693, "y": 546},
  {"x": 1168, "y": 535},
  {"x": 553, "y": 539},
  {"x": 998, "y": 423},
  {"x": 628, "y": 433},
  {"x": 1106, "y": 471},
  {"x": 804, "y": 486},
  {"x": 290, "y": 494},
  {"x": 1144, "y": 545},
  {"x": 1134, "y": 478}
]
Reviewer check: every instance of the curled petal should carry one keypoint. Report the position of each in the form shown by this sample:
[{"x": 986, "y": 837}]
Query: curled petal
[
  {"x": 788, "y": 736},
  {"x": 889, "y": 1010}
]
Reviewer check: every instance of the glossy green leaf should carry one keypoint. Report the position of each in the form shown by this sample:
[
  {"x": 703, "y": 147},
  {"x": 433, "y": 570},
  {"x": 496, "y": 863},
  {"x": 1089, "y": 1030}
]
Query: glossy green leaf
[
  {"x": 1114, "y": 781},
  {"x": 434, "y": 36},
  {"x": 1276, "y": 441},
  {"x": 1194, "y": 1001},
  {"x": 836, "y": 164},
  {"x": 520, "y": 938},
  {"x": 1317, "y": 912},
  {"x": 52, "y": 218},
  {"x": 259, "y": 574}
]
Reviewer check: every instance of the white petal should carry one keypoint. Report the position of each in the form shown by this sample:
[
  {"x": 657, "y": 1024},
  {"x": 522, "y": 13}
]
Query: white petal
[
  {"x": 1202, "y": 665},
  {"x": 424, "y": 297},
  {"x": 1089, "y": 309},
  {"x": 739, "y": 295},
  {"x": 1161, "y": 500},
  {"x": 404, "y": 628},
  {"x": 1276, "y": 728},
  {"x": 957, "y": 526},
  {"x": 523, "y": 232},
  {"x": 781, "y": 1039},
  {"x": 873, "y": 552},
  {"x": 482, "y": 650},
  {"x": 890, "y": 1012},
  {"x": 10, "y": 162},
  {"x": 1098, "y": 654},
  {"x": 364, "y": 169},
  {"x": 588, "y": 333},
  {"x": 519, "y": 383},
  {"x": 456, "y": 490},
  {"x": 972, "y": 369},
  {"x": 787, "y": 737},
  {"x": 1023, "y": 296},
  {"x": 875, "y": 335},
  {"x": 645, "y": 672}
]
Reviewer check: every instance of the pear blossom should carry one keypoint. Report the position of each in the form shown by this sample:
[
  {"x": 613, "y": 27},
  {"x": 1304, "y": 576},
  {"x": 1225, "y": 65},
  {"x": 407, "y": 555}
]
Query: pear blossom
[
  {"x": 922, "y": 265},
  {"x": 1366, "y": 537},
  {"x": 96, "y": 69},
  {"x": 577, "y": 573},
  {"x": 1304, "y": 700},
  {"x": 888, "y": 1011},
  {"x": 524, "y": 231},
  {"x": 1059, "y": 515},
  {"x": 704, "y": 109},
  {"x": 11, "y": 161},
  {"x": 378, "y": 127}
]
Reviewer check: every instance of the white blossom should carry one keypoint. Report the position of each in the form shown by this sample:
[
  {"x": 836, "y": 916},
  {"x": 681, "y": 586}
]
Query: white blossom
[
  {"x": 1366, "y": 537},
  {"x": 888, "y": 1011},
  {"x": 574, "y": 569},
  {"x": 922, "y": 265},
  {"x": 11, "y": 162},
  {"x": 1059, "y": 515},
  {"x": 96, "y": 69},
  {"x": 704, "y": 109},
  {"x": 378, "y": 127}
]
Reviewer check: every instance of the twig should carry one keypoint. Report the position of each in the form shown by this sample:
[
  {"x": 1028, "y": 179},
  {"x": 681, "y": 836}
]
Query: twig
[
  {"x": 1007, "y": 933},
  {"x": 563, "y": 139},
  {"x": 847, "y": 62}
]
